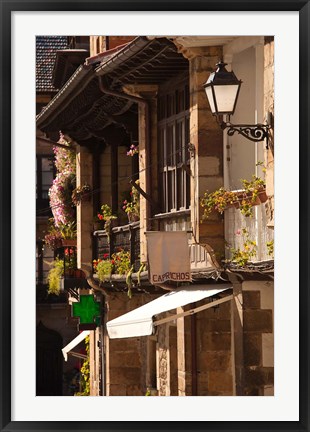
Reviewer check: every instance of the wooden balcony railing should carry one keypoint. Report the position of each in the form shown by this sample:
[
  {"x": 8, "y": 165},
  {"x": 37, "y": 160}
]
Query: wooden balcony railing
[{"x": 126, "y": 237}]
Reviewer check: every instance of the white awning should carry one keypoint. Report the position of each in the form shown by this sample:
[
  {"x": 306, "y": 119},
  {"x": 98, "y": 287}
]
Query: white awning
[
  {"x": 74, "y": 343},
  {"x": 139, "y": 322}
]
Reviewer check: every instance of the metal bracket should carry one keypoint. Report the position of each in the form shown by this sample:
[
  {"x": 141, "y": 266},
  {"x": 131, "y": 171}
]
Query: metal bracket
[{"x": 255, "y": 133}]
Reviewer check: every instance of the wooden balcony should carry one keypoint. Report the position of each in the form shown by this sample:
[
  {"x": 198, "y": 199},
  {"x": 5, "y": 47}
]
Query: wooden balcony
[{"x": 126, "y": 237}]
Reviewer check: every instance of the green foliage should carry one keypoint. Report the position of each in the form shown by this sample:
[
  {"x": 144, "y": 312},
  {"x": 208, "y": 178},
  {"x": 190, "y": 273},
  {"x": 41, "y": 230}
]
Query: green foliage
[
  {"x": 104, "y": 270},
  {"x": 241, "y": 256},
  {"x": 119, "y": 263},
  {"x": 132, "y": 205},
  {"x": 85, "y": 373},
  {"x": 54, "y": 236},
  {"x": 221, "y": 199},
  {"x": 270, "y": 248},
  {"x": 217, "y": 201},
  {"x": 54, "y": 276},
  {"x": 68, "y": 231}
]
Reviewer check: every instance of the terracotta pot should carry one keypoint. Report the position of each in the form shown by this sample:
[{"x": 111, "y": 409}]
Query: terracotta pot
[
  {"x": 74, "y": 274},
  {"x": 262, "y": 196},
  {"x": 68, "y": 242},
  {"x": 132, "y": 217}
]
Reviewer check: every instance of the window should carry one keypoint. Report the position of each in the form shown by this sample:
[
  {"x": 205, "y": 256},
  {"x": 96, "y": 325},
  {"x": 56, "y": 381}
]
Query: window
[
  {"x": 173, "y": 134},
  {"x": 45, "y": 175},
  {"x": 44, "y": 259}
]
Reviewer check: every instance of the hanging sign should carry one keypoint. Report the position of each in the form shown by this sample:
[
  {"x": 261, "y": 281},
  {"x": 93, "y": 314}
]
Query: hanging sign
[
  {"x": 88, "y": 310},
  {"x": 168, "y": 256}
]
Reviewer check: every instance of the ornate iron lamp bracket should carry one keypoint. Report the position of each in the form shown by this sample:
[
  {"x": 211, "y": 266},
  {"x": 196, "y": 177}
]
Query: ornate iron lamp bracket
[{"x": 255, "y": 133}]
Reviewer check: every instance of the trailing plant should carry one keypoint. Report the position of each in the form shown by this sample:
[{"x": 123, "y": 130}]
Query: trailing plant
[
  {"x": 103, "y": 269},
  {"x": 85, "y": 373},
  {"x": 54, "y": 276},
  {"x": 270, "y": 248},
  {"x": 119, "y": 263},
  {"x": 217, "y": 201},
  {"x": 141, "y": 269},
  {"x": 242, "y": 255},
  {"x": 243, "y": 199},
  {"x": 59, "y": 267},
  {"x": 251, "y": 193},
  {"x": 60, "y": 193}
]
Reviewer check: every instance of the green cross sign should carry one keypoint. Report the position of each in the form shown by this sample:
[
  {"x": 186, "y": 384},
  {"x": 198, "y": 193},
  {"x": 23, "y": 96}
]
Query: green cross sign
[{"x": 87, "y": 310}]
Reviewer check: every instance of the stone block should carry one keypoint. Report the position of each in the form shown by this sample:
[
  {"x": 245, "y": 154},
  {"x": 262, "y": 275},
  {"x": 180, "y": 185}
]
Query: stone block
[
  {"x": 220, "y": 381},
  {"x": 125, "y": 375},
  {"x": 251, "y": 299},
  {"x": 214, "y": 325},
  {"x": 258, "y": 321},
  {"x": 252, "y": 349},
  {"x": 208, "y": 166},
  {"x": 257, "y": 377},
  {"x": 215, "y": 341},
  {"x": 129, "y": 359},
  {"x": 116, "y": 390},
  {"x": 214, "y": 360},
  {"x": 120, "y": 344},
  {"x": 268, "y": 350},
  {"x": 134, "y": 390},
  {"x": 209, "y": 184}
]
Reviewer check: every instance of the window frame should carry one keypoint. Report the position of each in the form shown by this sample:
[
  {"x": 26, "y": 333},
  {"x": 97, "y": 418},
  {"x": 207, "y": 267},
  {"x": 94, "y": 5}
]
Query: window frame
[{"x": 173, "y": 120}]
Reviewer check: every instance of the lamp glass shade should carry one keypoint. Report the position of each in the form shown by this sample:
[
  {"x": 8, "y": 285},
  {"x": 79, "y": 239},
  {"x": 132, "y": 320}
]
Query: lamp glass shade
[
  {"x": 226, "y": 97},
  {"x": 222, "y": 90}
]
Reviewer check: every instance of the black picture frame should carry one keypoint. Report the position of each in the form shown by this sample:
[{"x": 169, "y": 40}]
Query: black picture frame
[{"x": 7, "y": 7}]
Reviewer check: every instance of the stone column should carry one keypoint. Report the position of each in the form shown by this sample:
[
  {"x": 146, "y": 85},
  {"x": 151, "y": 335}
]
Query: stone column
[
  {"x": 147, "y": 124},
  {"x": 184, "y": 355},
  {"x": 207, "y": 139},
  {"x": 84, "y": 243},
  {"x": 237, "y": 335}
]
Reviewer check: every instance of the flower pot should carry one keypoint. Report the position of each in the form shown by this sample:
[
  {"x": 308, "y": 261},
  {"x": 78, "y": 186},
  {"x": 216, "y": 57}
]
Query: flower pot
[
  {"x": 262, "y": 196},
  {"x": 132, "y": 217},
  {"x": 68, "y": 242}
]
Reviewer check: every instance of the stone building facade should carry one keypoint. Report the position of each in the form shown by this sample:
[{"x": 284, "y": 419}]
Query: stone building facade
[{"x": 150, "y": 92}]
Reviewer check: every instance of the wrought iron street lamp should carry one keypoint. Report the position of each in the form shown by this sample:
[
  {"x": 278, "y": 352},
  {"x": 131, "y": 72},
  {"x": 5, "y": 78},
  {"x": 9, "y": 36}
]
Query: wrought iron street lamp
[{"x": 222, "y": 90}]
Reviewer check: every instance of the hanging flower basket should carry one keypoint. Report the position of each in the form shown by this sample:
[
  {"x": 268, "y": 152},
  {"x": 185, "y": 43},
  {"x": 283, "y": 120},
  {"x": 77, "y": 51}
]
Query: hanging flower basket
[{"x": 81, "y": 194}]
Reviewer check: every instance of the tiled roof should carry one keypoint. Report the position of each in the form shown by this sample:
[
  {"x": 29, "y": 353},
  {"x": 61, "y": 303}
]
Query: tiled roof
[{"x": 46, "y": 47}]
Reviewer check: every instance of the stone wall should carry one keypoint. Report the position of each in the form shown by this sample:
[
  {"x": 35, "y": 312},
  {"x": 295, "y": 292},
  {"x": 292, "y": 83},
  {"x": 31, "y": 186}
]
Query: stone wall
[
  {"x": 207, "y": 138},
  {"x": 214, "y": 354},
  {"x": 126, "y": 359},
  {"x": 258, "y": 338}
]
